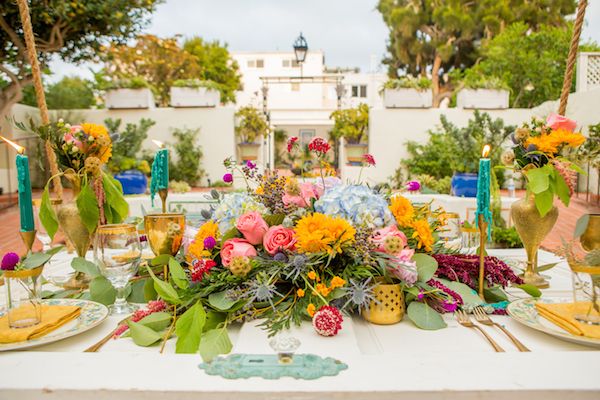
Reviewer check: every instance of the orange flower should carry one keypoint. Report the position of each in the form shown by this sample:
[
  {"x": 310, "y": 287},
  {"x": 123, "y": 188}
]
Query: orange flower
[
  {"x": 402, "y": 210},
  {"x": 423, "y": 234},
  {"x": 311, "y": 309},
  {"x": 300, "y": 292},
  {"x": 323, "y": 290},
  {"x": 312, "y": 275},
  {"x": 552, "y": 142},
  {"x": 337, "y": 282}
]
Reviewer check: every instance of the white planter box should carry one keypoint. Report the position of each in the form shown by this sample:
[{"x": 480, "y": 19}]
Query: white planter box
[
  {"x": 194, "y": 97},
  {"x": 407, "y": 98},
  {"x": 129, "y": 98},
  {"x": 482, "y": 98}
]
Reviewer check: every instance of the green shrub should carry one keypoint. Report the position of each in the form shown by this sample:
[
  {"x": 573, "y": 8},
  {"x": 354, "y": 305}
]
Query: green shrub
[
  {"x": 196, "y": 83},
  {"x": 188, "y": 156},
  {"x": 127, "y": 148},
  {"x": 506, "y": 237},
  {"x": 251, "y": 124},
  {"x": 352, "y": 124},
  {"x": 409, "y": 82}
]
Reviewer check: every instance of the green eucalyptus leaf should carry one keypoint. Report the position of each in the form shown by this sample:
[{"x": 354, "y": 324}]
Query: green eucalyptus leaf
[
  {"x": 178, "y": 274},
  {"x": 80, "y": 264},
  {"x": 581, "y": 225},
  {"x": 102, "y": 291},
  {"x": 546, "y": 267},
  {"x": 215, "y": 342},
  {"x": 54, "y": 250},
  {"x": 47, "y": 215},
  {"x": 189, "y": 329},
  {"x": 469, "y": 296},
  {"x": 531, "y": 290},
  {"x": 149, "y": 292},
  {"x": 143, "y": 335},
  {"x": 221, "y": 301},
  {"x": 544, "y": 202},
  {"x": 114, "y": 197},
  {"x": 87, "y": 204},
  {"x": 35, "y": 260},
  {"x": 538, "y": 180},
  {"x": 424, "y": 316},
  {"x": 214, "y": 319},
  {"x": 137, "y": 291},
  {"x": 157, "y": 321},
  {"x": 426, "y": 266},
  {"x": 494, "y": 294},
  {"x": 163, "y": 259}
]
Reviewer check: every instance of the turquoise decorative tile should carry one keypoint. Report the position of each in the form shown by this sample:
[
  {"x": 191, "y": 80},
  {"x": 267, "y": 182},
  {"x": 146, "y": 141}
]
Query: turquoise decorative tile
[{"x": 243, "y": 366}]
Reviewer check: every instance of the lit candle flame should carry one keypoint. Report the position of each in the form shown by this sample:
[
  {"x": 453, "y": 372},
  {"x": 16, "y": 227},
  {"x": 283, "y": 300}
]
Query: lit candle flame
[
  {"x": 158, "y": 143},
  {"x": 19, "y": 149},
  {"x": 486, "y": 151}
]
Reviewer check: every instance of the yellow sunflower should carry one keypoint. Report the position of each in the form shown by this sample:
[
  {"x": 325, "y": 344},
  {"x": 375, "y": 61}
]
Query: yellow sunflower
[
  {"x": 322, "y": 233},
  {"x": 423, "y": 234},
  {"x": 402, "y": 210},
  {"x": 550, "y": 143}
]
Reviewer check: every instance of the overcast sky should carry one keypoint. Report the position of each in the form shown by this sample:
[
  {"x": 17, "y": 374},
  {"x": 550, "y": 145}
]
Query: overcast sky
[{"x": 348, "y": 31}]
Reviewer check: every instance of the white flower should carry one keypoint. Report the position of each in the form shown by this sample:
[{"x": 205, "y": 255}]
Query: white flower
[{"x": 75, "y": 149}]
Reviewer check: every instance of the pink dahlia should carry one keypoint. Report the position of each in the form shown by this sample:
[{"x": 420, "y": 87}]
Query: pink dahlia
[{"x": 327, "y": 321}]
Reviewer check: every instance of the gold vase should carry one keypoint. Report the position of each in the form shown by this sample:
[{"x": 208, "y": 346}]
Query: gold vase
[
  {"x": 164, "y": 232},
  {"x": 590, "y": 240},
  {"x": 76, "y": 232},
  {"x": 532, "y": 228},
  {"x": 388, "y": 306}
]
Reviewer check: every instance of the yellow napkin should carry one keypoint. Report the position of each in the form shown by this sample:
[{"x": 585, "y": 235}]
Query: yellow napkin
[
  {"x": 563, "y": 315},
  {"x": 52, "y": 318}
]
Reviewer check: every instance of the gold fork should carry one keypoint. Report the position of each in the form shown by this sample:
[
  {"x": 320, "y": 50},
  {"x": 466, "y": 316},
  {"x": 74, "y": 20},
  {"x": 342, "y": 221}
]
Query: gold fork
[
  {"x": 465, "y": 321},
  {"x": 483, "y": 318},
  {"x": 95, "y": 347}
]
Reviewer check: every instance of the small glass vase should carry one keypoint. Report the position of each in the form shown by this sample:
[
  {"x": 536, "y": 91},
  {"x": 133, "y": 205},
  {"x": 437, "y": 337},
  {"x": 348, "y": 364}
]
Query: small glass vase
[
  {"x": 469, "y": 238},
  {"x": 586, "y": 289},
  {"x": 23, "y": 297}
]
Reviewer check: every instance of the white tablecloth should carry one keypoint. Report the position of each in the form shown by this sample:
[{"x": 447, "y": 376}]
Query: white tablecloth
[{"x": 385, "y": 362}]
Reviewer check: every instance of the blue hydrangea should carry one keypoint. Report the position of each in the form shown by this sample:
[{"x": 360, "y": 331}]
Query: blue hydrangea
[
  {"x": 234, "y": 205},
  {"x": 356, "y": 203}
]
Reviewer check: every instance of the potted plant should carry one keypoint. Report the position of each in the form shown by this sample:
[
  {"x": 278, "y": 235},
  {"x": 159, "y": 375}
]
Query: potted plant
[
  {"x": 126, "y": 165},
  {"x": 408, "y": 92},
  {"x": 251, "y": 125},
  {"x": 129, "y": 93},
  {"x": 353, "y": 125},
  {"x": 195, "y": 93},
  {"x": 482, "y": 92}
]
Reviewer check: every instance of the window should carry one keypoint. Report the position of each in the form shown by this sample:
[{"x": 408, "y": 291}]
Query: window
[
  {"x": 287, "y": 63},
  {"x": 251, "y": 63},
  {"x": 359, "y": 91},
  {"x": 259, "y": 63},
  {"x": 306, "y": 135}
]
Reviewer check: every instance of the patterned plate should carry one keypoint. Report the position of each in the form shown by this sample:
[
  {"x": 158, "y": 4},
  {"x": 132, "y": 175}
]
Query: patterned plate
[
  {"x": 524, "y": 311},
  {"x": 92, "y": 314}
]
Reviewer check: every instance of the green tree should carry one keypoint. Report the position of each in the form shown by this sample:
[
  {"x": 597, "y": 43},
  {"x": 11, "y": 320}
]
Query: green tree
[
  {"x": 433, "y": 36},
  {"x": 216, "y": 65},
  {"x": 187, "y": 165},
  {"x": 74, "y": 30},
  {"x": 352, "y": 124},
  {"x": 532, "y": 63},
  {"x": 251, "y": 124},
  {"x": 70, "y": 93}
]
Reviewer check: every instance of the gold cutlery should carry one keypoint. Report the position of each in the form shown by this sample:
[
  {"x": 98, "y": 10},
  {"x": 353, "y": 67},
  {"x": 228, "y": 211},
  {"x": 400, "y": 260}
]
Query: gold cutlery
[
  {"x": 94, "y": 348},
  {"x": 465, "y": 321},
  {"x": 482, "y": 317}
]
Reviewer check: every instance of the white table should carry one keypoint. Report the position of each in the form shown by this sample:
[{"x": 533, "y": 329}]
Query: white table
[{"x": 385, "y": 362}]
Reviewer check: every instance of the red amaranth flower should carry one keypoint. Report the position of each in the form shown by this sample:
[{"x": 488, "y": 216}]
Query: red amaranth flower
[
  {"x": 439, "y": 285},
  {"x": 152, "y": 307},
  {"x": 291, "y": 143},
  {"x": 562, "y": 167},
  {"x": 201, "y": 268},
  {"x": 369, "y": 160},
  {"x": 327, "y": 321},
  {"x": 319, "y": 145},
  {"x": 465, "y": 269}
]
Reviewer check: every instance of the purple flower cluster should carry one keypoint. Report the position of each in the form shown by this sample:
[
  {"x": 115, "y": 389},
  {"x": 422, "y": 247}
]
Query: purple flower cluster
[
  {"x": 9, "y": 261},
  {"x": 465, "y": 269}
]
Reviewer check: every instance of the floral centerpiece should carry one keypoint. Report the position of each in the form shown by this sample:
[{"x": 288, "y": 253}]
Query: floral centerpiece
[
  {"x": 286, "y": 251},
  {"x": 81, "y": 152}
]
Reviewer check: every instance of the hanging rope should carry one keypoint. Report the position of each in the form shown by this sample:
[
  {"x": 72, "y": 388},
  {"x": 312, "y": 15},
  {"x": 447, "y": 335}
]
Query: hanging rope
[
  {"x": 571, "y": 60},
  {"x": 39, "y": 89}
]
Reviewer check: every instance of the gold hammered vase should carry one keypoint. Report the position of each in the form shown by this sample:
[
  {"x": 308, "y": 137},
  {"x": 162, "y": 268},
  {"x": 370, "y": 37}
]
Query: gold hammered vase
[
  {"x": 388, "y": 306},
  {"x": 72, "y": 225},
  {"x": 532, "y": 228},
  {"x": 590, "y": 240}
]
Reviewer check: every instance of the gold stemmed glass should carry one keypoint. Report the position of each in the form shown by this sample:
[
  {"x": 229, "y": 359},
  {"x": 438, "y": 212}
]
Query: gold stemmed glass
[
  {"x": 117, "y": 252},
  {"x": 164, "y": 232}
]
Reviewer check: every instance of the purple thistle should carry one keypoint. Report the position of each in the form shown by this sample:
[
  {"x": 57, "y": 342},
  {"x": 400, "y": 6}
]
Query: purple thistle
[{"x": 9, "y": 261}]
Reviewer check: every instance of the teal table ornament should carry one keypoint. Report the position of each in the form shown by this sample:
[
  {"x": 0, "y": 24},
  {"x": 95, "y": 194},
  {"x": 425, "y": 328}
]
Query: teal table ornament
[{"x": 243, "y": 366}]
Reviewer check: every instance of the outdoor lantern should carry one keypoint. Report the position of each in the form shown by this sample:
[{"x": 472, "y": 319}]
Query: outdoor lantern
[{"x": 300, "y": 49}]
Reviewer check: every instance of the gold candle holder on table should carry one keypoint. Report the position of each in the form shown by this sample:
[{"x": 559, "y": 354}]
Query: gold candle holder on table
[
  {"x": 164, "y": 233},
  {"x": 163, "y": 193},
  {"x": 482, "y": 225},
  {"x": 28, "y": 238}
]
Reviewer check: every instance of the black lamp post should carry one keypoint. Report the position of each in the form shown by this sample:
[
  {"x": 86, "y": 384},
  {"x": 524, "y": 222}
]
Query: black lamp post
[{"x": 300, "y": 50}]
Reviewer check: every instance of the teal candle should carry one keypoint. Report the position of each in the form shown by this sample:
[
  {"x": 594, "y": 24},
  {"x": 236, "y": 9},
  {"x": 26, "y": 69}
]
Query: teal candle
[
  {"x": 483, "y": 193},
  {"x": 160, "y": 173},
  {"x": 25, "y": 203}
]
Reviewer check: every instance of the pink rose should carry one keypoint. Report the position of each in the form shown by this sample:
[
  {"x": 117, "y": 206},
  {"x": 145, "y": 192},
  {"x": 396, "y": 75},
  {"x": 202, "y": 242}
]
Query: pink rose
[
  {"x": 556, "y": 121},
  {"x": 380, "y": 235},
  {"x": 279, "y": 238},
  {"x": 308, "y": 191},
  {"x": 75, "y": 129},
  {"x": 236, "y": 248},
  {"x": 253, "y": 227}
]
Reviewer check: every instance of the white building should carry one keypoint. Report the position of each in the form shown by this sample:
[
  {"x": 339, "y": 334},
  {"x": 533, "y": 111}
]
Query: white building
[{"x": 300, "y": 99}]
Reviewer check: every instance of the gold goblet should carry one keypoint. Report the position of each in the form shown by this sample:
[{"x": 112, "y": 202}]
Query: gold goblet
[{"x": 164, "y": 232}]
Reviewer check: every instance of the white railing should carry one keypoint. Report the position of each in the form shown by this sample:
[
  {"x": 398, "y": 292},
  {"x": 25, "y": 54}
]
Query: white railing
[{"x": 588, "y": 71}]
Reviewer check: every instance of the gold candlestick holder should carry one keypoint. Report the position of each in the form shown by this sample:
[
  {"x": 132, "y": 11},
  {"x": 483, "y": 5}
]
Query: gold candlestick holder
[
  {"x": 482, "y": 225},
  {"x": 28, "y": 238},
  {"x": 163, "y": 193}
]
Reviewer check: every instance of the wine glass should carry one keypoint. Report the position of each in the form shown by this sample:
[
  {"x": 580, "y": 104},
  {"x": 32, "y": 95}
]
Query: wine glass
[{"x": 117, "y": 252}]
